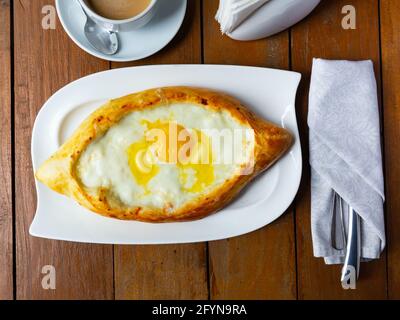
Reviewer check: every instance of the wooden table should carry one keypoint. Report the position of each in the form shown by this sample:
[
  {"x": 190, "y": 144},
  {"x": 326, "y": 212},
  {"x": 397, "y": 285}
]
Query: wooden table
[{"x": 275, "y": 262}]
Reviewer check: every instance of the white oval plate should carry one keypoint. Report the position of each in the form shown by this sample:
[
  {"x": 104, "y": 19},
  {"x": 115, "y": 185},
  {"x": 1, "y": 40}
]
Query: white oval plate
[
  {"x": 135, "y": 44},
  {"x": 271, "y": 93}
]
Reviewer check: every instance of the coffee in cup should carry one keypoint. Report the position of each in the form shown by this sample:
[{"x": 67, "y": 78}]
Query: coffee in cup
[
  {"x": 120, "y": 15},
  {"x": 118, "y": 9}
]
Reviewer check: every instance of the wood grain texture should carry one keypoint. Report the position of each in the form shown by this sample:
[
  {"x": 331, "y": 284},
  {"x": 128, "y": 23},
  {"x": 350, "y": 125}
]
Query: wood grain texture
[
  {"x": 45, "y": 60},
  {"x": 259, "y": 265},
  {"x": 166, "y": 271},
  {"x": 6, "y": 230},
  {"x": 161, "y": 272},
  {"x": 390, "y": 37},
  {"x": 321, "y": 35}
]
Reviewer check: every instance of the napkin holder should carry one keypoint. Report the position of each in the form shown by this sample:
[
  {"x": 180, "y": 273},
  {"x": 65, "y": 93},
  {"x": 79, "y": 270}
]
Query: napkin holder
[{"x": 273, "y": 17}]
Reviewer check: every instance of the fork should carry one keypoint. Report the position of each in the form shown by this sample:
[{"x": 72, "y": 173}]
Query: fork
[{"x": 337, "y": 200}]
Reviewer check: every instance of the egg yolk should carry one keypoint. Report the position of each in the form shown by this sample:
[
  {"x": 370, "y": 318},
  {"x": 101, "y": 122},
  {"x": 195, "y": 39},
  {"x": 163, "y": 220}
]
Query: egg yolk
[
  {"x": 140, "y": 160},
  {"x": 171, "y": 143}
]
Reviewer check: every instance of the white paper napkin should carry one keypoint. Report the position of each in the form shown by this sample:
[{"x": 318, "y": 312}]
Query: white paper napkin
[
  {"x": 231, "y": 13},
  {"x": 345, "y": 154}
]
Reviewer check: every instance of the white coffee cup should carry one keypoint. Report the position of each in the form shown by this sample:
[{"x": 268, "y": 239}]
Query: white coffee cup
[{"x": 132, "y": 23}]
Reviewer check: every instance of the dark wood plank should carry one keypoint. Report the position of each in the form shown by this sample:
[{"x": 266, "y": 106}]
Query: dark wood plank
[
  {"x": 390, "y": 33},
  {"x": 166, "y": 271},
  {"x": 259, "y": 265},
  {"x": 321, "y": 35},
  {"x": 45, "y": 60},
  {"x": 6, "y": 238}
]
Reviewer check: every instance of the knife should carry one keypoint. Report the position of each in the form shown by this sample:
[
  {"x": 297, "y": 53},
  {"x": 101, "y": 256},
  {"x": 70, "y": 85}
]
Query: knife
[{"x": 353, "y": 250}]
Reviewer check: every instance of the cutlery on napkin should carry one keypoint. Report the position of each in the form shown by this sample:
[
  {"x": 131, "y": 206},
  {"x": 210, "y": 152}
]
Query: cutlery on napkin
[
  {"x": 345, "y": 155},
  {"x": 231, "y": 13}
]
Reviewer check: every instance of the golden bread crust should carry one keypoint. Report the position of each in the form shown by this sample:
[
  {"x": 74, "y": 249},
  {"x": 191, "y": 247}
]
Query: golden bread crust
[{"x": 60, "y": 174}]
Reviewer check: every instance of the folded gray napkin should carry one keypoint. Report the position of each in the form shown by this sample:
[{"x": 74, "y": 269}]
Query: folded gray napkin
[{"x": 345, "y": 154}]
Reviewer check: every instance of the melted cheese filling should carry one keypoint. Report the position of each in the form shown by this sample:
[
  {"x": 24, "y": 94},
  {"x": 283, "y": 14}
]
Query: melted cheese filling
[{"x": 165, "y": 157}]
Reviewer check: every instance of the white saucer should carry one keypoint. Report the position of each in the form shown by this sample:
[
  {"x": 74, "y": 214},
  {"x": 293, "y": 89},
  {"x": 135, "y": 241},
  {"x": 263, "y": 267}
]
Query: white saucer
[{"x": 134, "y": 45}]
